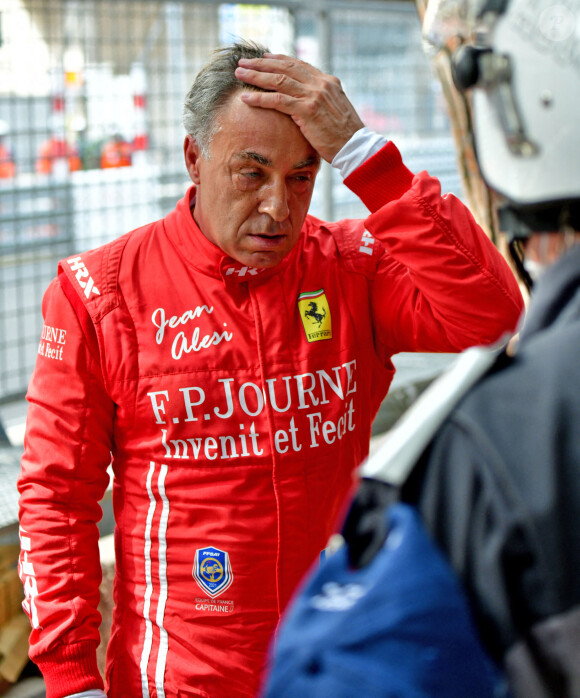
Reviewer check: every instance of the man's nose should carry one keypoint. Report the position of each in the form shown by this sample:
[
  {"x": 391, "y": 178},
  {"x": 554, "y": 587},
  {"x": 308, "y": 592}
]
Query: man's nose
[{"x": 274, "y": 201}]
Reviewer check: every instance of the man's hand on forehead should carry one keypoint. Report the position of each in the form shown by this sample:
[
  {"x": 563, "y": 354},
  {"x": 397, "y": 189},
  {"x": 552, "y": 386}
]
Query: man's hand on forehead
[{"x": 315, "y": 101}]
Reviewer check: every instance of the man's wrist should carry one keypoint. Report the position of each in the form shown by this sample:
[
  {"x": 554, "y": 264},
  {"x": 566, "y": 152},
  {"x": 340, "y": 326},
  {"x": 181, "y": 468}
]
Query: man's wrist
[{"x": 361, "y": 146}]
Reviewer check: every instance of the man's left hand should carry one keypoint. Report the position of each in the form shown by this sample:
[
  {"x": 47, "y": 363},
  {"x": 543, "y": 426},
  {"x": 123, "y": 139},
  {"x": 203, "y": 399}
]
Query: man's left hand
[{"x": 315, "y": 101}]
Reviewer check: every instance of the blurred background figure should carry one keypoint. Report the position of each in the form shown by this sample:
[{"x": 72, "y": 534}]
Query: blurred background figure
[
  {"x": 7, "y": 166},
  {"x": 57, "y": 155},
  {"x": 116, "y": 152}
]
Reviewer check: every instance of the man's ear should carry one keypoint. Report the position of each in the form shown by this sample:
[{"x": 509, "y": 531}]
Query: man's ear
[{"x": 192, "y": 153}]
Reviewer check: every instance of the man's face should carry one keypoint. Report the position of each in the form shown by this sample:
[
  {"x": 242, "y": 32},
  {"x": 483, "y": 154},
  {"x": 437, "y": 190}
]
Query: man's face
[{"x": 254, "y": 190}]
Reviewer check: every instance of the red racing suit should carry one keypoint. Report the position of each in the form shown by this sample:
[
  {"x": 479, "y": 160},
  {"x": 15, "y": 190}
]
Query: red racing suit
[{"x": 236, "y": 403}]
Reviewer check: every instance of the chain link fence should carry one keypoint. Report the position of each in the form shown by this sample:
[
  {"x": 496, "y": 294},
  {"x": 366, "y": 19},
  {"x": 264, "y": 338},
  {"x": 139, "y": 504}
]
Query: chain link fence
[{"x": 91, "y": 96}]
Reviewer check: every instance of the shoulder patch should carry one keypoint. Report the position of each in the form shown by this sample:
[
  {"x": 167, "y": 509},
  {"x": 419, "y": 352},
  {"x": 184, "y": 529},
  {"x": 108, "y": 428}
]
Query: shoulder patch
[
  {"x": 93, "y": 276},
  {"x": 367, "y": 242},
  {"x": 359, "y": 250},
  {"x": 82, "y": 276}
]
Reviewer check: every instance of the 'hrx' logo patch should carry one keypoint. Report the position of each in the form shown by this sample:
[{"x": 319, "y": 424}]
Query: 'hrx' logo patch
[
  {"x": 366, "y": 243},
  {"x": 83, "y": 277},
  {"x": 212, "y": 571},
  {"x": 315, "y": 314}
]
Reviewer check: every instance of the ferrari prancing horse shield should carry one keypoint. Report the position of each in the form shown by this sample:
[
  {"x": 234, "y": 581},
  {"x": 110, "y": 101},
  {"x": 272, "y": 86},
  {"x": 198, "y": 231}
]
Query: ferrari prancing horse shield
[{"x": 315, "y": 315}]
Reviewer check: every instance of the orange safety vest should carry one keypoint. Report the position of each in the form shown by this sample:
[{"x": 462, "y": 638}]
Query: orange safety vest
[
  {"x": 7, "y": 167},
  {"x": 116, "y": 154},
  {"x": 56, "y": 149}
]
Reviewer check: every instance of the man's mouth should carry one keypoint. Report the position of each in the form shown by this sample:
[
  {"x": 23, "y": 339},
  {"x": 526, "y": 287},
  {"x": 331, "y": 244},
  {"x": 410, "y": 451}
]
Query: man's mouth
[{"x": 268, "y": 238}]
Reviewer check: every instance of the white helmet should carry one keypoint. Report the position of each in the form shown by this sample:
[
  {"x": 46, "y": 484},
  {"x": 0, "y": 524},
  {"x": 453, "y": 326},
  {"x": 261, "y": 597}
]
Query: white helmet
[{"x": 522, "y": 57}]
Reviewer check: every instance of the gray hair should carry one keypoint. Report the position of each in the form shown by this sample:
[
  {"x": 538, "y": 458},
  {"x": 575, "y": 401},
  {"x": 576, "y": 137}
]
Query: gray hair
[{"x": 212, "y": 89}]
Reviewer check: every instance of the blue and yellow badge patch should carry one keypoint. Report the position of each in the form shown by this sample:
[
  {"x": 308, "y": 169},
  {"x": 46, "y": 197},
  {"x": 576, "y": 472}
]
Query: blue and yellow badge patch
[
  {"x": 212, "y": 571},
  {"x": 315, "y": 314}
]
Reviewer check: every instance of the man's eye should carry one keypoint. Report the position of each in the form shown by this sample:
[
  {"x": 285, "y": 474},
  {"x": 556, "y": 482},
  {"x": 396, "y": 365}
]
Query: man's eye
[
  {"x": 251, "y": 175},
  {"x": 303, "y": 178}
]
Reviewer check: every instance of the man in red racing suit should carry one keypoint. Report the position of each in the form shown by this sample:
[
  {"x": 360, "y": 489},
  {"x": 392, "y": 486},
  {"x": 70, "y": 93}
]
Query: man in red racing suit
[{"x": 236, "y": 401}]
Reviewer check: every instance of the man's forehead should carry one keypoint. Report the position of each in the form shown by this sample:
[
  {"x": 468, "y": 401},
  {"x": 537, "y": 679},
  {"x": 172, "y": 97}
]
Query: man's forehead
[{"x": 263, "y": 136}]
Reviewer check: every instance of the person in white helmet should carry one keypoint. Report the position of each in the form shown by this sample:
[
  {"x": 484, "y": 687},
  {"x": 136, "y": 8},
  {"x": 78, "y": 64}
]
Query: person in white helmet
[{"x": 490, "y": 456}]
